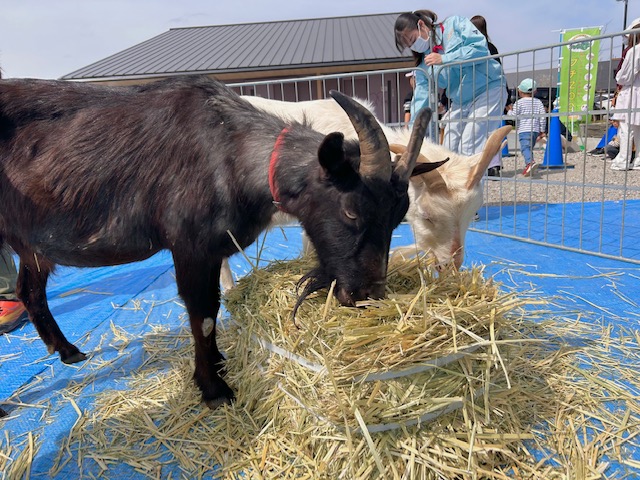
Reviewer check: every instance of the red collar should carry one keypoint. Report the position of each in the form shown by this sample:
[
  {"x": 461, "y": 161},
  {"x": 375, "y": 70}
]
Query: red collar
[{"x": 272, "y": 168}]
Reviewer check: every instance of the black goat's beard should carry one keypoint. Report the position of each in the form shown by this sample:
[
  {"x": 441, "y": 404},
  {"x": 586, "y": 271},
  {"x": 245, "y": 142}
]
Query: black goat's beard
[{"x": 313, "y": 281}]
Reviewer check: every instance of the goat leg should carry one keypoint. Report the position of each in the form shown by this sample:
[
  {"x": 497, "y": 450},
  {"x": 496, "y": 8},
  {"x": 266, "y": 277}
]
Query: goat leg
[
  {"x": 31, "y": 290},
  {"x": 198, "y": 285}
]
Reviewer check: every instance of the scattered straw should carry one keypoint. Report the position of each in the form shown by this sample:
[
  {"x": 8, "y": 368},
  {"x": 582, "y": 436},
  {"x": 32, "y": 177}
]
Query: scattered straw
[{"x": 449, "y": 377}]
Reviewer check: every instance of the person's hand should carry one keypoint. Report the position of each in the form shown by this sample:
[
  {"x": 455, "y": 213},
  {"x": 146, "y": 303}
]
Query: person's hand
[{"x": 433, "y": 59}]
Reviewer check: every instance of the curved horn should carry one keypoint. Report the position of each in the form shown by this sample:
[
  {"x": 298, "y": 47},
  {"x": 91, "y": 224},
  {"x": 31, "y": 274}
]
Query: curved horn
[
  {"x": 374, "y": 149},
  {"x": 491, "y": 148},
  {"x": 405, "y": 165},
  {"x": 426, "y": 170},
  {"x": 399, "y": 149}
]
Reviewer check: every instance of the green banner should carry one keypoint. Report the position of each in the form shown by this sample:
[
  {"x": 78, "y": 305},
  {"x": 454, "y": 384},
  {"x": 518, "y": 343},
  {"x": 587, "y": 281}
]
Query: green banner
[{"x": 578, "y": 73}]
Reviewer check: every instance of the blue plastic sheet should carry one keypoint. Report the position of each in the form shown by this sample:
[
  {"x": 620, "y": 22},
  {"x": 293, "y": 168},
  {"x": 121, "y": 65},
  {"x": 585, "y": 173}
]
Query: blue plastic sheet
[{"x": 89, "y": 303}]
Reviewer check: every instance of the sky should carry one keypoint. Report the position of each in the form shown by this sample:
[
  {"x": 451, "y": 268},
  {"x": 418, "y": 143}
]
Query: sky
[{"x": 51, "y": 38}]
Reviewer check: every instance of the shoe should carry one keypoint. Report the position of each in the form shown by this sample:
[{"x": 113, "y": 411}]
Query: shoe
[
  {"x": 620, "y": 166},
  {"x": 493, "y": 172},
  {"x": 636, "y": 165},
  {"x": 12, "y": 315},
  {"x": 476, "y": 217},
  {"x": 530, "y": 169},
  {"x": 596, "y": 151}
]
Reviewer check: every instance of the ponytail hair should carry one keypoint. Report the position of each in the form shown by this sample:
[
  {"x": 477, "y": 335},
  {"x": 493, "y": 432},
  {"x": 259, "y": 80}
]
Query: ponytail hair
[{"x": 429, "y": 17}]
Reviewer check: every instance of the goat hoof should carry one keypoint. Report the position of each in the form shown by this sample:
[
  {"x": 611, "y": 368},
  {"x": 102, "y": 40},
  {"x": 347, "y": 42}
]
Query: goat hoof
[
  {"x": 224, "y": 396},
  {"x": 217, "y": 394},
  {"x": 74, "y": 358},
  {"x": 218, "y": 402}
]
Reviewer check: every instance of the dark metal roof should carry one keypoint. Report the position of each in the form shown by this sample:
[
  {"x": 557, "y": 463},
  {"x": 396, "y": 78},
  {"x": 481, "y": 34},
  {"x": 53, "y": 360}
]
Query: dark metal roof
[{"x": 254, "y": 47}]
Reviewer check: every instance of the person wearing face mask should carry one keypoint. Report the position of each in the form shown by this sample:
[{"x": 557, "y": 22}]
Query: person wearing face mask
[{"x": 476, "y": 90}]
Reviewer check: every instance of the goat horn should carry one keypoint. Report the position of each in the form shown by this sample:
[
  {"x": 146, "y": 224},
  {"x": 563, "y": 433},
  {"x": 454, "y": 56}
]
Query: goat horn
[
  {"x": 407, "y": 161},
  {"x": 491, "y": 148},
  {"x": 400, "y": 149},
  {"x": 429, "y": 174},
  {"x": 374, "y": 149}
]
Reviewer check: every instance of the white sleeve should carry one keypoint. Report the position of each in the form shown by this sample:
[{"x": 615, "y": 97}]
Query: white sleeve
[{"x": 629, "y": 68}]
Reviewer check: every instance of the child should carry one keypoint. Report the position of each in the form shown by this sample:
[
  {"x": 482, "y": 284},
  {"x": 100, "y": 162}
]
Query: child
[
  {"x": 530, "y": 119},
  {"x": 612, "y": 148}
]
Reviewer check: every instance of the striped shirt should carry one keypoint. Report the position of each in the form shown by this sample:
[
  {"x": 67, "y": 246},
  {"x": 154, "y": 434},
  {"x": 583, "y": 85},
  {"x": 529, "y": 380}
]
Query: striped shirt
[{"x": 530, "y": 115}]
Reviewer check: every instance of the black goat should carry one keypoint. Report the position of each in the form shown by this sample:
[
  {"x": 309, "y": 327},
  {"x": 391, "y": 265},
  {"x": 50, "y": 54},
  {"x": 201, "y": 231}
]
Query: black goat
[{"x": 93, "y": 175}]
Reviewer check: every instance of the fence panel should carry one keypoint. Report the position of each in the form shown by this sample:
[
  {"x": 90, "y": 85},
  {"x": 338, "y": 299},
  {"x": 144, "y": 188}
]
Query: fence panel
[{"x": 574, "y": 201}]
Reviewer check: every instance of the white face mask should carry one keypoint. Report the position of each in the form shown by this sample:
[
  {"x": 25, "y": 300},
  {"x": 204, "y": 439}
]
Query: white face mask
[{"x": 420, "y": 45}]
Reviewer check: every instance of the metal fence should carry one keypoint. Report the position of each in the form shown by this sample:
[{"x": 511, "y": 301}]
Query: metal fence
[{"x": 575, "y": 202}]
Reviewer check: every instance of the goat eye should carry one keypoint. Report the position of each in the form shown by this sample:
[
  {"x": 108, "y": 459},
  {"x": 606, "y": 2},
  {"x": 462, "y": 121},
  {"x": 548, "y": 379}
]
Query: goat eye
[
  {"x": 424, "y": 214},
  {"x": 350, "y": 215}
]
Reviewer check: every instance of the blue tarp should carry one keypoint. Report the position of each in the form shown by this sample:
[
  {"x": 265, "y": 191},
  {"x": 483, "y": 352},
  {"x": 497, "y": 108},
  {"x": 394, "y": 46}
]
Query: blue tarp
[{"x": 88, "y": 303}]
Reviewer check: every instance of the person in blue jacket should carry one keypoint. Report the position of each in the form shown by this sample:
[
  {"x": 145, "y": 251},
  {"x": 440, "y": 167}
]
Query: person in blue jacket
[{"x": 476, "y": 90}]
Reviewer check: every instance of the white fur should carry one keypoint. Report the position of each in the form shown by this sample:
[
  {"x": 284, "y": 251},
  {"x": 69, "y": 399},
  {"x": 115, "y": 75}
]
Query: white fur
[
  {"x": 207, "y": 326},
  {"x": 439, "y": 218}
]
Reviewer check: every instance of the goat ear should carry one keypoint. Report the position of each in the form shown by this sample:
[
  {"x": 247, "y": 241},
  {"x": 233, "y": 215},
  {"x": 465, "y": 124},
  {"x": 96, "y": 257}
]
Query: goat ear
[
  {"x": 421, "y": 168},
  {"x": 491, "y": 148},
  {"x": 331, "y": 154}
]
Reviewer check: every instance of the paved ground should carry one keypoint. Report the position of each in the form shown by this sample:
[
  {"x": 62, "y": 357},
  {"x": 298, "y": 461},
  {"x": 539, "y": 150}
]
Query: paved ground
[{"x": 581, "y": 178}]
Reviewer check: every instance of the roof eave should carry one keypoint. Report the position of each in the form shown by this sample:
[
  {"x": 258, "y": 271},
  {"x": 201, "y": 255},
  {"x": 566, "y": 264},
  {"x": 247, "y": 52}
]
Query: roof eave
[{"x": 235, "y": 71}]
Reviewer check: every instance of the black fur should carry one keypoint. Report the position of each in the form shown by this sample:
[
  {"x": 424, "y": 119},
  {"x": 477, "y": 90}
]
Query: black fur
[{"x": 93, "y": 175}]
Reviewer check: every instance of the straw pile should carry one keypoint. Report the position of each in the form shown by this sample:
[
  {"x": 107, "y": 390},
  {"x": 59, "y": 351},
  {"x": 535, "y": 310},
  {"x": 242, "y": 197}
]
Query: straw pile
[
  {"x": 449, "y": 377},
  {"x": 400, "y": 361}
]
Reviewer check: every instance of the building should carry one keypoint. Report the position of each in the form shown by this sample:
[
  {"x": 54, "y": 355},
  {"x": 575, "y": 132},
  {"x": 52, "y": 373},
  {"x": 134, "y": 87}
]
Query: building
[
  {"x": 269, "y": 51},
  {"x": 264, "y": 57}
]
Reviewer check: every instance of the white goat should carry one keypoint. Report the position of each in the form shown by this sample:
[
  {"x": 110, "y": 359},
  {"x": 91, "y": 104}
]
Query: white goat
[{"x": 443, "y": 202}]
